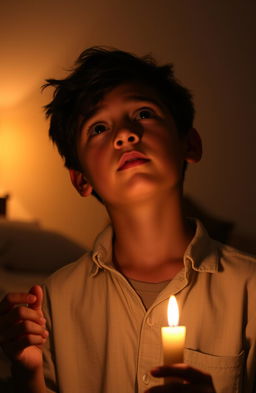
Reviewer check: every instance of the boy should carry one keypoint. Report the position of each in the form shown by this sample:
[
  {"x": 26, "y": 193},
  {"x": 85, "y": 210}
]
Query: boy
[{"x": 125, "y": 129}]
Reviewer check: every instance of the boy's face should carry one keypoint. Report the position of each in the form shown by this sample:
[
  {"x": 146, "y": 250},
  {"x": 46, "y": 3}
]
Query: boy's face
[{"x": 130, "y": 148}]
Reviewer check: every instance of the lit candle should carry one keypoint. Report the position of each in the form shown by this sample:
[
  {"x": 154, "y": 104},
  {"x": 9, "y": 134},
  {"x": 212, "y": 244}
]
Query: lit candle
[{"x": 173, "y": 336}]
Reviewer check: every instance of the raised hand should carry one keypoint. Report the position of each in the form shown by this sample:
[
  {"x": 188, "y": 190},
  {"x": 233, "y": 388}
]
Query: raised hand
[{"x": 22, "y": 328}]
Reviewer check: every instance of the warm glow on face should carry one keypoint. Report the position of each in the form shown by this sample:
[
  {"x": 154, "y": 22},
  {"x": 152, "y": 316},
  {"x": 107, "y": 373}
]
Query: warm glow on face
[{"x": 173, "y": 312}]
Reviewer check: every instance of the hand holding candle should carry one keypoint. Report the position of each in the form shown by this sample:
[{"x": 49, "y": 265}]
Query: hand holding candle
[{"x": 175, "y": 375}]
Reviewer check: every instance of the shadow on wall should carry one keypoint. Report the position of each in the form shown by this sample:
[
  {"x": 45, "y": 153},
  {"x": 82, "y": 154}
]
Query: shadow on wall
[
  {"x": 27, "y": 247},
  {"x": 219, "y": 229}
]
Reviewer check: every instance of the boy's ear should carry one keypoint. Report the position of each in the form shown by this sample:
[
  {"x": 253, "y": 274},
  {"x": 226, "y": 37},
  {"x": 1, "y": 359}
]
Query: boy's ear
[
  {"x": 193, "y": 151},
  {"x": 80, "y": 182}
]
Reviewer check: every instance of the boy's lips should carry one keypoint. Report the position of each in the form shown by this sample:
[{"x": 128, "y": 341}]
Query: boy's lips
[{"x": 131, "y": 158}]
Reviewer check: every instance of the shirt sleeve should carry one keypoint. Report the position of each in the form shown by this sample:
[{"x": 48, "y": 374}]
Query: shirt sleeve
[
  {"x": 48, "y": 350},
  {"x": 250, "y": 334}
]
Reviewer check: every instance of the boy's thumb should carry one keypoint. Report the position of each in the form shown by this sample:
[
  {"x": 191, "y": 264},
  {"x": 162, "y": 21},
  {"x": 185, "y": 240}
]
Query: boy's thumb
[{"x": 37, "y": 291}]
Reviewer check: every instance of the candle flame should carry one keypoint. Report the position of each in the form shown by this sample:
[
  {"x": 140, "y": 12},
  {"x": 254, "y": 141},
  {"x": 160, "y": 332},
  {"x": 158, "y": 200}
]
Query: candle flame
[{"x": 173, "y": 312}]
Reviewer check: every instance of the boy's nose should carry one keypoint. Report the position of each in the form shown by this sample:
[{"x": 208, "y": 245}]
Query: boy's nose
[{"x": 125, "y": 138}]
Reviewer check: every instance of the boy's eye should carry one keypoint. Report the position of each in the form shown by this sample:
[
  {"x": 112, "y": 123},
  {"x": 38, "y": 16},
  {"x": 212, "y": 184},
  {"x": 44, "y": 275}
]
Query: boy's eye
[
  {"x": 144, "y": 113},
  {"x": 97, "y": 129}
]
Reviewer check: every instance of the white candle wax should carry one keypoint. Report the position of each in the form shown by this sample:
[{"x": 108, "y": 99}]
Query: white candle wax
[{"x": 173, "y": 336}]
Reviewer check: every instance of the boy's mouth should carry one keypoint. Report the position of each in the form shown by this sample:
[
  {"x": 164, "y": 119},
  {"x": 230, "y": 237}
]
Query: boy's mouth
[{"x": 130, "y": 159}]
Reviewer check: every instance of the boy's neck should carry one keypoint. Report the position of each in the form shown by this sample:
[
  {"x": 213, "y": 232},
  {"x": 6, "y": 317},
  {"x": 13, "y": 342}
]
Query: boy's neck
[{"x": 150, "y": 239}]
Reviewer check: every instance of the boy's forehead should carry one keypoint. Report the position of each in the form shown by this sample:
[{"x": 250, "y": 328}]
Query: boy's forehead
[
  {"x": 133, "y": 91},
  {"x": 127, "y": 92}
]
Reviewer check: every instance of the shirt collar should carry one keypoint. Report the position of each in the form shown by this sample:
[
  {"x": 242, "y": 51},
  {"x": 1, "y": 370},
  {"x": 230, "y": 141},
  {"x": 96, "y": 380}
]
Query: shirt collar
[
  {"x": 102, "y": 250},
  {"x": 202, "y": 251},
  {"x": 201, "y": 254}
]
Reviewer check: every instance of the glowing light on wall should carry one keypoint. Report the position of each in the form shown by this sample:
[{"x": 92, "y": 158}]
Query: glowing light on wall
[{"x": 13, "y": 153}]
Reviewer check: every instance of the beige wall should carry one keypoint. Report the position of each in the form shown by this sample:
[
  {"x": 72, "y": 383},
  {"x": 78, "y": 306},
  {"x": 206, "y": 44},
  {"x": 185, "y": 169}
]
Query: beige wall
[{"x": 211, "y": 43}]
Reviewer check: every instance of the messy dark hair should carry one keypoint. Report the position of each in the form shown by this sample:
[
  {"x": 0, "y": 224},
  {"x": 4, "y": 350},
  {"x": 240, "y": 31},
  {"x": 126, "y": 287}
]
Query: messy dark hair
[{"x": 97, "y": 71}]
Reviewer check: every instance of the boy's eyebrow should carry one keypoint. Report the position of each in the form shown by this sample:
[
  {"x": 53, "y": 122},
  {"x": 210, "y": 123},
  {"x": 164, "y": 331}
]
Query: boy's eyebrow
[
  {"x": 143, "y": 98},
  {"x": 133, "y": 97}
]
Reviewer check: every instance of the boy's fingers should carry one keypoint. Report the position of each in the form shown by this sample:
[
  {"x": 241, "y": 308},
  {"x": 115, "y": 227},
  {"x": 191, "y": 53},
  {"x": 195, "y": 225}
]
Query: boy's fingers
[
  {"x": 184, "y": 372},
  {"x": 13, "y": 348},
  {"x": 37, "y": 291},
  {"x": 31, "y": 339},
  {"x": 174, "y": 388},
  {"x": 191, "y": 380},
  {"x": 13, "y": 299},
  {"x": 17, "y": 314},
  {"x": 25, "y": 328},
  {"x": 181, "y": 388}
]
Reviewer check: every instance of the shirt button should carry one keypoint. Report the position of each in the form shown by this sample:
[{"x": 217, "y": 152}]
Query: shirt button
[
  {"x": 149, "y": 321},
  {"x": 146, "y": 379}
]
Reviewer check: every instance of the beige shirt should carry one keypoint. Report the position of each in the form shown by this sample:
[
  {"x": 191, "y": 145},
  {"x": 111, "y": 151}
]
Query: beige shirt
[
  {"x": 148, "y": 291},
  {"x": 103, "y": 340}
]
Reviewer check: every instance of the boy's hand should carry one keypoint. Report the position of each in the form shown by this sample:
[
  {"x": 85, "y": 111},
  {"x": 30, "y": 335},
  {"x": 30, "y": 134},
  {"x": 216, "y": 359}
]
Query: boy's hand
[
  {"x": 191, "y": 380},
  {"x": 22, "y": 328}
]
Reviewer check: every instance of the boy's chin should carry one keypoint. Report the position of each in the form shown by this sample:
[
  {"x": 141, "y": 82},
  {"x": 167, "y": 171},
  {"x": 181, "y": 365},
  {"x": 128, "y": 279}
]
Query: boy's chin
[
  {"x": 135, "y": 196},
  {"x": 142, "y": 188}
]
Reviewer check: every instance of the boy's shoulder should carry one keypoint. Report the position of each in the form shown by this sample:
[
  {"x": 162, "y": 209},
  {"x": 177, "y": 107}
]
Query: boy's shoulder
[
  {"x": 70, "y": 273},
  {"x": 210, "y": 255},
  {"x": 239, "y": 262},
  {"x": 86, "y": 266},
  {"x": 228, "y": 251}
]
